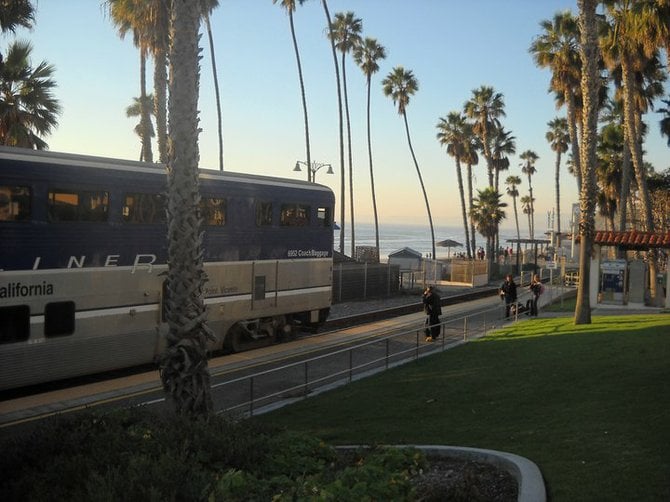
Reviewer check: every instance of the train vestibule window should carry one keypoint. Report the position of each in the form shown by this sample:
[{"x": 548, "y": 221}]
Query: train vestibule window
[
  {"x": 263, "y": 214},
  {"x": 14, "y": 203},
  {"x": 323, "y": 216},
  {"x": 59, "y": 318},
  {"x": 14, "y": 323}
]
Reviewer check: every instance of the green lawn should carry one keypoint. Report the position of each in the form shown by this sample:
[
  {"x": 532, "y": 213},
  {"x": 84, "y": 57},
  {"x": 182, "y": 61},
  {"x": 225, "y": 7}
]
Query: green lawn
[{"x": 588, "y": 404}]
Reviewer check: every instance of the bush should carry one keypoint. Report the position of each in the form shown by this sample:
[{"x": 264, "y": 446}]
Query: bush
[{"x": 136, "y": 455}]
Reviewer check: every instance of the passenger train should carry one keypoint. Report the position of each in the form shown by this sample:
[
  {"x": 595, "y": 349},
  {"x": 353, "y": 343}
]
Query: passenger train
[{"x": 83, "y": 260}]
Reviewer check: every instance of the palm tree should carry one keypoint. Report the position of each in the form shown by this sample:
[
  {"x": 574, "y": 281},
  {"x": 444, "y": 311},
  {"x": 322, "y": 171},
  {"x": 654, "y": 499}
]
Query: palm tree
[
  {"x": 626, "y": 34},
  {"x": 183, "y": 365},
  {"x": 486, "y": 107},
  {"x": 131, "y": 16},
  {"x": 28, "y": 109},
  {"x": 135, "y": 110},
  {"x": 290, "y": 6},
  {"x": 367, "y": 56},
  {"x": 503, "y": 144},
  {"x": 471, "y": 146},
  {"x": 346, "y": 32},
  {"x": 557, "y": 48},
  {"x": 590, "y": 84},
  {"x": 400, "y": 85},
  {"x": 528, "y": 168},
  {"x": 527, "y": 208},
  {"x": 206, "y": 8},
  {"x": 340, "y": 122},
  {"x": 452, "y": 134},
  {"x": 512, "y": 182},
  {"x": 16, "y": 13},
  {"x": 558, "y": 137},
  {"x": 609, "y": 153},
  {"x": 487, "y": 213}
]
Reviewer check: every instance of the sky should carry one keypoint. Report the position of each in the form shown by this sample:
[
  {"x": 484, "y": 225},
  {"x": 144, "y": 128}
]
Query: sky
[{"x": 451, "y": 46}]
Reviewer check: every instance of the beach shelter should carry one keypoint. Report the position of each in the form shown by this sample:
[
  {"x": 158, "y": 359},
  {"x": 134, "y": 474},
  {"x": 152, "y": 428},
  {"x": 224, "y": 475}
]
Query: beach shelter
[{"x": 449, "y": 243}]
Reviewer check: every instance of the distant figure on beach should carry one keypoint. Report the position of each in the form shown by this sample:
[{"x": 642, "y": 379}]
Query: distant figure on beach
[
  {"x": 432, "y": 306},
  {"x": 508, "y": 293}
]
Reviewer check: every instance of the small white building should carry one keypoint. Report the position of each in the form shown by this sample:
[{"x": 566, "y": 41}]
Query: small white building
[{"x": 407, "y": 259}]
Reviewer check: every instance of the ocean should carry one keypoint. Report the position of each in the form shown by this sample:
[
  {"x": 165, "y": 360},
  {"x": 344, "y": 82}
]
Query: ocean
[{"x": 417, "y": 237}]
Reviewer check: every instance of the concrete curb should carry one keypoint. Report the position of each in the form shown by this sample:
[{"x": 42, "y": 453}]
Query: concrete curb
[{"x": 526, "y": 473}]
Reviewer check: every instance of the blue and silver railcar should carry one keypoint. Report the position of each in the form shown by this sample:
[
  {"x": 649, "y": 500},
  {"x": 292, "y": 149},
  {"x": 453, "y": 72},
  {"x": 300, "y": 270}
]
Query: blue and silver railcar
[{"x": 83, "y": 257}]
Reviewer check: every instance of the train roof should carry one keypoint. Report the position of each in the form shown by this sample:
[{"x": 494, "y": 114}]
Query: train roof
[{"x": 90, "y": 161}]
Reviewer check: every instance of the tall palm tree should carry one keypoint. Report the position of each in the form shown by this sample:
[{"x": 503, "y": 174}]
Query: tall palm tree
[
  {"x": 626, "y": 34},
  {"x": 400, "y": 85},
  {"x": 485, "y": 108},
  {"x": 28, "y": 109},
  {"x": 558, "y": 137},
  {"x": 135, "y": 110},
  {"x": 130, "y": 16},
  {"x": 290, "y": 6},
  {"x": 206, "y": 8},
  {"x": 184, "y": 371},
  {"x": 609, "y": 152},
  {"x": 527, "y": 208},
  {"x": 346, "y": 32},
  {"x": 324, "y": 3},
  {"x": 367, "y": 55},
  {"x": 557, "y": 48},
  {"x": 528, "y": 168},
  {"x": 512, "y": 183},
  {"x": 487, "y": 213},
  {"x": 452, "y": 134},
  {"x": 590, "y": 84},
  {"x": 471, "y": 158}
]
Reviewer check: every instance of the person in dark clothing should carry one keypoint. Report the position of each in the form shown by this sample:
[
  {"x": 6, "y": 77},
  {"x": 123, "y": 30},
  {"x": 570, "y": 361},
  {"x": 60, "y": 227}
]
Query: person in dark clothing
[
  {"x": 536, "y": 290},
  {"x": 508, "y": 293},
  {"x": 432, "y": 306}
]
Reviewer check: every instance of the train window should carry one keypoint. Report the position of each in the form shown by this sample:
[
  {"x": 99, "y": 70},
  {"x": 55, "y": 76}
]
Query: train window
[
  {"x": 323, "y": 217},
  {"x": 14, "y": 203},
  {"x": 14, "y": 323},
  {"x": 213, "y": 211},
  {"x": 294, "y": 215},
  {"x": 144, "y": 208},
  {"x": 263, "y": 214},
  {"x": 78, "y": 206},
  {"x": 59, "y": 318}
]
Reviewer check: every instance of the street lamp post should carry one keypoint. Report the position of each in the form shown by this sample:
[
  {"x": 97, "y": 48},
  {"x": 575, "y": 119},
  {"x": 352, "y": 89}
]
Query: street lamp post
[{"x": 311, "y": 171}]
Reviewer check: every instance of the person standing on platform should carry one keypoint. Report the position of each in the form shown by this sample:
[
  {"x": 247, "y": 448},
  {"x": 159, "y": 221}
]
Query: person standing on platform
[
  {"x": 432, "y": 306},
  {"x": 508, "y": 293},
  {"x": 536, "y": 289}
]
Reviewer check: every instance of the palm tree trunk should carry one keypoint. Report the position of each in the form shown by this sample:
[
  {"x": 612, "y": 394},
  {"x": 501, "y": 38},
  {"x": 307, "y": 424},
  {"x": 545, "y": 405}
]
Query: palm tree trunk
[
  {"x": 160, "y": 103},
  {"x": 351, "y": 163},
  {"x": 423, "y": 188},
  {"x": 557, "y": 180},
  {"x": 634, "y": 144},
  {"x": 473, "y": 242},
  {"x": 302, "y": 94},
  {"x": 624, "y": 196},
  {"x": 184, "y": 370},
  {"x": 216, "y": 90},
  {"x": 531, "y": 215},
  {"x": 372, "y": 174},
  {"x": 147, "y": 155},
  {"x": 463, "y": 208},
  {"x": 341, "y": 125},
  {"x": 574, "y": 137},
  {"x": 590, "y": 83},
  {"x": 518, "y": 235}
]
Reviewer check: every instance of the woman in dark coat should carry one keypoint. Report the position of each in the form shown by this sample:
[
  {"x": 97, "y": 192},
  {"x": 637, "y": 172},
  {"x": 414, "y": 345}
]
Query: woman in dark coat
[{"x": 432, "y": 306}]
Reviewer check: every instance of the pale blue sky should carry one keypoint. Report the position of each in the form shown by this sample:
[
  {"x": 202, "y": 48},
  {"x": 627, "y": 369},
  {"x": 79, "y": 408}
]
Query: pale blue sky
[{"x": 452, "y": 46}]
